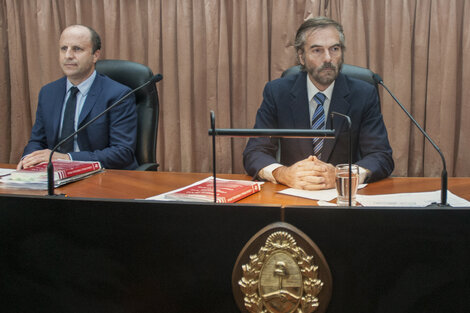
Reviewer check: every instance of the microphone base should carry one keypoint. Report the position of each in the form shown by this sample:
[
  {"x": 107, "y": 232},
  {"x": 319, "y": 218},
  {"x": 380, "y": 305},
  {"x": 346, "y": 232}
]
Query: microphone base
[{"x": 438, "y": 205}]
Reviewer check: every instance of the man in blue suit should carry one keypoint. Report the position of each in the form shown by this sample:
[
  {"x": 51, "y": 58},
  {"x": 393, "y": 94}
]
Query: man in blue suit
[
  {"x": 307, "y": 100},
  {"x": 112, "y": 138}
]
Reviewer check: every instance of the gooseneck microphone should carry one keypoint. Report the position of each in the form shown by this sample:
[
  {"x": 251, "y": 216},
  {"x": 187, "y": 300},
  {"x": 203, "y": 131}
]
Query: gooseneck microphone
[
  {"x": 379, "y": 81},
  {"x": 50, "y": 167}
]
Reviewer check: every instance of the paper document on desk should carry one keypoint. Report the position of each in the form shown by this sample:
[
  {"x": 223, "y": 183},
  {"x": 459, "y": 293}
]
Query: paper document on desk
[
  {"x": 413, "y": 199},
  {"x": 228, "y": 191},
  {"x": 325, "y": 195},
  {"x": 6, "y": 171},
  {"x": 35, "y": 177}
]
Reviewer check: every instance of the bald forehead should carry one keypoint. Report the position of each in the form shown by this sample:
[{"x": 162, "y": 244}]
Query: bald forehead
[{"x": 77, "y": 30}]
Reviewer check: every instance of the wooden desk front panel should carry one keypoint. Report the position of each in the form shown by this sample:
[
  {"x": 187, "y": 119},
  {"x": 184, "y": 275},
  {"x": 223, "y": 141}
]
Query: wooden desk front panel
[
  {"x": 85, "y": 255},
  {"x": 77, "y": 255}
]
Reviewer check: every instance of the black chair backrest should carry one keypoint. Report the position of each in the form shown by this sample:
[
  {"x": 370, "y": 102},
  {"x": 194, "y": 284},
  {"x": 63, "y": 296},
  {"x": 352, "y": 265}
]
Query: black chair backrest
[{"x": 133, "y": 75}]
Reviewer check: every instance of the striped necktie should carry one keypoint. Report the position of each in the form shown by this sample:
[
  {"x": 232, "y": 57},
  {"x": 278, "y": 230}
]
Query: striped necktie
[{"x": 318, "y": 122}]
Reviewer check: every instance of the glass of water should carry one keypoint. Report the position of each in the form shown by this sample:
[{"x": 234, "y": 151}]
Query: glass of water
[{"x": 342, "y": 183}]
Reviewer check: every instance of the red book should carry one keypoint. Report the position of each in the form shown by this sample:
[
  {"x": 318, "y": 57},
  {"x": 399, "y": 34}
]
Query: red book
[
  {"x": 228, "y": 191},
  {"x": 63, "y": 170}
]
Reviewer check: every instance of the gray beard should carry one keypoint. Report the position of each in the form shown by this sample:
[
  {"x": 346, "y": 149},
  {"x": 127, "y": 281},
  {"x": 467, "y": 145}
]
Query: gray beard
[{"x": 325, "y": 80}]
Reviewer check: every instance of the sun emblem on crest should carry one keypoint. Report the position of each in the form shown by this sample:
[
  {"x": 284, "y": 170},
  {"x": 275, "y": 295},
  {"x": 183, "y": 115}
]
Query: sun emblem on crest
[{"x": 280, "y": 278}]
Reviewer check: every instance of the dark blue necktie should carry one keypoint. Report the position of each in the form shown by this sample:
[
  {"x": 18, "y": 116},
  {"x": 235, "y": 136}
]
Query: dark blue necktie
[
  {"x": 68, "y": 124},
  {"x": 318, "y": 122}
]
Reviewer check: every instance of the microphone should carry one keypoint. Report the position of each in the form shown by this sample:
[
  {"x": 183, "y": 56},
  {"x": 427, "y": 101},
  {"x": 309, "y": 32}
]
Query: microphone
[
  {"x": 50, "y": 167},
  {"x": 443, "y": 203},
  {"x": 348, "y": 119},
  {"x": 214, "y": 169},
  {"x": 267, "y": 132}
]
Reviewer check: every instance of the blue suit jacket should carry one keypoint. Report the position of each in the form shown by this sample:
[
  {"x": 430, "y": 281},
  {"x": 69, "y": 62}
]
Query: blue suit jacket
[
  {"x": 285, "y": 106},
  {"x": 111, "y": 139}
]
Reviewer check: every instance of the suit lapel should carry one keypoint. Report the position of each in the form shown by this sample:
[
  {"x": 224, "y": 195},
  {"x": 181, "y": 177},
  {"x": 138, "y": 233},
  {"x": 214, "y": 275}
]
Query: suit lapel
[
  {"x": 56, "y": 109},
  {"x": 91, "y": 99},
  {"x": 338, "y": 104},
  {"x": 298, "y": 105},
  {"x": 300, "y": 111}
]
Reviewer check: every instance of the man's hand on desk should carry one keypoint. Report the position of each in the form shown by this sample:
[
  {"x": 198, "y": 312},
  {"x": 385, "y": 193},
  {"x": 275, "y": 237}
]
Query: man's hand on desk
[
  {"x": 40, "y": 156},
  {"x": 308, "y": 174}
]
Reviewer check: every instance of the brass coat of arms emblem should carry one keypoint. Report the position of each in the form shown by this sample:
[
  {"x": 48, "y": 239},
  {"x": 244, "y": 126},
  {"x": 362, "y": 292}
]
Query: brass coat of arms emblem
[{"x": 281, "y": 277}]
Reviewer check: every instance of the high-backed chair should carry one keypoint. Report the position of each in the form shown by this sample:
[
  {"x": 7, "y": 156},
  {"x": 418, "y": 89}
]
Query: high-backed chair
[
  {"x": 133, "y": 75},
  {"x": 351, "y": 70}
]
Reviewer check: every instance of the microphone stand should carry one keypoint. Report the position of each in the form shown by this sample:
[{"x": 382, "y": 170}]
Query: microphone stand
[
  {"x": 348, "y": 119},
  {"x": 443, "y": 203},
  {"x": 277, "y": 133},
  {"x": 50, "y": 166},
  {"x": 213, "y": 154}
]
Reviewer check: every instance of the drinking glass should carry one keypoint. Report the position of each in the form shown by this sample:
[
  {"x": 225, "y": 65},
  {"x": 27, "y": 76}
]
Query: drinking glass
[{"x": 342, "y": 183}]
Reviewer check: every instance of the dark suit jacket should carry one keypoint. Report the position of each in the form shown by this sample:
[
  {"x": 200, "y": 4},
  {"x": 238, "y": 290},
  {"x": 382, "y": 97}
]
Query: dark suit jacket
[
  {"x": 285, "y": 106},
  {"x": 111, "y": 139}
]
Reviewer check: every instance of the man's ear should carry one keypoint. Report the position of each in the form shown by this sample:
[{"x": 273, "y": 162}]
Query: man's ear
[
  {"x": 300, "y": 57},
  {"x": 96, "y": 56}
]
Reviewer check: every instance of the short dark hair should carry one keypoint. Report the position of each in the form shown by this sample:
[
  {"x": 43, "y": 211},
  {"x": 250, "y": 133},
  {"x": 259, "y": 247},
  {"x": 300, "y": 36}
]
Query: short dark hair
[
  {"x": 313, "y": 24},
  {"x": 95, "y": 39}
]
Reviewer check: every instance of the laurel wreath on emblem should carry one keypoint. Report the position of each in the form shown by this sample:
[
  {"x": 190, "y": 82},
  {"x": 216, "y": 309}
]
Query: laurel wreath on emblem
[{"x": 249, "y": 283}]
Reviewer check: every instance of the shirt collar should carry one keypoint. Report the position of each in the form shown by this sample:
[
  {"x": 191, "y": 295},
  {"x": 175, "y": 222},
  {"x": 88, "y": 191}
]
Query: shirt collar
[
  {"x": 84, "y": 86},
  {"x": 312, "y": 90}
]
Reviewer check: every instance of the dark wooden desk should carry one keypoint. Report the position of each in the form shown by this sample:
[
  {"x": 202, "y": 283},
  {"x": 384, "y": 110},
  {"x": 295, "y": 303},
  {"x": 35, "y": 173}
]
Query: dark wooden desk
[
  {"x": 117, "y": 184},
  {"x": 118, "y": 254}
]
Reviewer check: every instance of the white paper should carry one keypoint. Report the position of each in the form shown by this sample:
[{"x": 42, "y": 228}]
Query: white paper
[
  {"x": 413, "y": 199},
  {"x": 325, "y": 203},
  {"x": 6, "y": 181},
  {"x": 6, "y": 171},
  {"x": 325, "y": 195}
]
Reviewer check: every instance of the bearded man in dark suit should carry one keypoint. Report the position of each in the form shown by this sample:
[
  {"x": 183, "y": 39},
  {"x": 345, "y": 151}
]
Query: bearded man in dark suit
[{"x": 291, "y": 103}]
